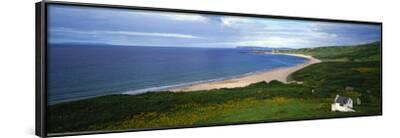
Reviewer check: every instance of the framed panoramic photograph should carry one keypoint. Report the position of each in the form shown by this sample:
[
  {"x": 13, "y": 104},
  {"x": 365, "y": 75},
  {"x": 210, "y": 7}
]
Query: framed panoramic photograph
[{"x": 112, "y": 68}]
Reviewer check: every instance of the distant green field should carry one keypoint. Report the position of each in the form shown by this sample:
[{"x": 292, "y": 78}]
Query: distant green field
[
  {"x": 365, "y": 52},
  {"x": 257, "y": 102}
]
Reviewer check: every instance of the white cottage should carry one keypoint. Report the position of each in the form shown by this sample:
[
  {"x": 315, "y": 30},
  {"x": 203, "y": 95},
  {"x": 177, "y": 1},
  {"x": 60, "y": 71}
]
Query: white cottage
[{"x": 342, "y": 104}]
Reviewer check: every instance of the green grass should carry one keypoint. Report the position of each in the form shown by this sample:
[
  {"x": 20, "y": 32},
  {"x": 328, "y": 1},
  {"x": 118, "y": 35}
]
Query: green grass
[
  {"x": 335, "y": 76},
  {"x": 261, "y": 101},
  {"x": 365, "y": 52}
]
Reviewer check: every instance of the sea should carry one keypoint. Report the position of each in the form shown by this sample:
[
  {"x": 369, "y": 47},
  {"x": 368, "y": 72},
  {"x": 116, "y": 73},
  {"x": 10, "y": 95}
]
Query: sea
[{"x": 79, "y": 71}]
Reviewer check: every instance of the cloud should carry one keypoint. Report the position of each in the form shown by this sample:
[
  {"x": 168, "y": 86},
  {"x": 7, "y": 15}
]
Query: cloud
[
  {"x": 103, "y": 14},
  {"x": 231, "y": 21},
  {"x": 272, "y": 41},
  {"x": 241, "y": 22},
  {"x": 126, "y": 33},
  {"x": 183, "y": 17},
  {"x": 172, "y": 35},
  {"x": 138, "y": 27},
  {"x": 287, "y": 39},
  {"x": 277, "y": 33},
  {"x": 174, "y": 16}
]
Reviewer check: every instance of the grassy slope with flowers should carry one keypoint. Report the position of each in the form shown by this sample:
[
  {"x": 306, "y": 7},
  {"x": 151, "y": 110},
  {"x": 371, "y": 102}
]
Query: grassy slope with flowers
[{"x": 261, "y": 101}]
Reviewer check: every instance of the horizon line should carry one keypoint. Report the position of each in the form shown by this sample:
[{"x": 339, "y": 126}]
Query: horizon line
[{"x": 107, "y": 44}]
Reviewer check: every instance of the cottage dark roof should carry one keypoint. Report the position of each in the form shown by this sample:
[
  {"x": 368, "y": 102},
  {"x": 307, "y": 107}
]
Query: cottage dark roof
[{"x": 342, "y": 100}]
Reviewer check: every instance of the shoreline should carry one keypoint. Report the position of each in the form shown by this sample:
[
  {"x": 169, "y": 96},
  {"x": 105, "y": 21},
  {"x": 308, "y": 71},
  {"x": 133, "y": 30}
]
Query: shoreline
[
  {"x": 279, "y": 74},
  {"x": 242, "y": 80}
]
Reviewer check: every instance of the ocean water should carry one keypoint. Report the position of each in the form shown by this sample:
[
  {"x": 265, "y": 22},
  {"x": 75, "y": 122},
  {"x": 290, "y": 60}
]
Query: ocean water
[{"x": 82, "y": 71}]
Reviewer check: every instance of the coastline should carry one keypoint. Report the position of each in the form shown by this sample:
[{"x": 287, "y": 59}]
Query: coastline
[{"x": 279, "y": 74}]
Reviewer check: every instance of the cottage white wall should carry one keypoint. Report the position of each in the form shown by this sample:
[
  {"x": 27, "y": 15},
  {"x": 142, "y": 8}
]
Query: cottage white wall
[
  {"x": 350, "y": 103},
  {"x": 335, "y": 107}
]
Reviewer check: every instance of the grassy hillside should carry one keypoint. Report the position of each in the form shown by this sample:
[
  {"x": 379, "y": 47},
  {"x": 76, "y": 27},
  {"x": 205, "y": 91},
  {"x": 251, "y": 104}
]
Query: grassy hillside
[
  {"x": 257, "y": 102},
  {"x": 365, "y": 52}
]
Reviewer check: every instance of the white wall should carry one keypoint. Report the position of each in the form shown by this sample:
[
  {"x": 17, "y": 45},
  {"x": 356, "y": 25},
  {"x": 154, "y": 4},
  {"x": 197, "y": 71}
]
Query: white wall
[{"x": 17, "y": 67}]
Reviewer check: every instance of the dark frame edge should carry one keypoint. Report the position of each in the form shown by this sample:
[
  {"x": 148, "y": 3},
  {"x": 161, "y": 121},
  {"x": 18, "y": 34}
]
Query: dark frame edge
[
  {"x": 38, "y": 98},
  {"x": 41, "y": 64},
  {"x": 381, "y": 52}
]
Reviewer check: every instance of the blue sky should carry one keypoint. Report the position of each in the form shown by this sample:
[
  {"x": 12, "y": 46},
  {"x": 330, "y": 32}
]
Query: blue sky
[{"x": 69, "y": 24}]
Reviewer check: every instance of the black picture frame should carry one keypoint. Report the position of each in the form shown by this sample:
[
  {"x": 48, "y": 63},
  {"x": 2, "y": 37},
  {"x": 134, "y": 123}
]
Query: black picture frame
[{"x": 41, "y": 61}]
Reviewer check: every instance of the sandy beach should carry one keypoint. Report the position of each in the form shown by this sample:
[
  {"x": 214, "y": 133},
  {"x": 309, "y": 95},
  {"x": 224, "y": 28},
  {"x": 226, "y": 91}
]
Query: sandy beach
[{"x": 279, "y": 74}]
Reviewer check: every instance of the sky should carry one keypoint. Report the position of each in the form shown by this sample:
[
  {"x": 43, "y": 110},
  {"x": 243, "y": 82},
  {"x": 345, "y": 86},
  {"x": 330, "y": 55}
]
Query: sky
[{"x": 73, "y": 24}]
